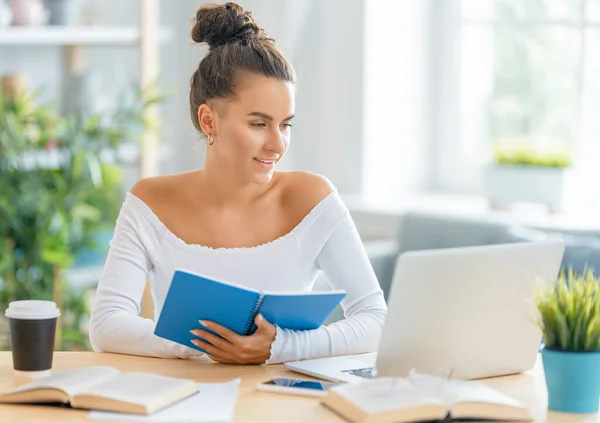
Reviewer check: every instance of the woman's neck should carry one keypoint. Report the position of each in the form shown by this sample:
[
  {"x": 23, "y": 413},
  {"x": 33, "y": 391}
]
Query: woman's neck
[{"x": 227, "y": 190}]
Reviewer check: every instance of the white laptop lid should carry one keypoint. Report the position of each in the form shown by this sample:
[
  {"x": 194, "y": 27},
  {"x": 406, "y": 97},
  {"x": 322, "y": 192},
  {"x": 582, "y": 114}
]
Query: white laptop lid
[{"x": 470, "y": 309}]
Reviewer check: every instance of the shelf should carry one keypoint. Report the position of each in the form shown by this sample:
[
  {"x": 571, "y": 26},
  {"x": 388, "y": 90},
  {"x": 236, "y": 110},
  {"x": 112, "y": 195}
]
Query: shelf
[
  {"x": 53, "y": 159},
  {"x": 74, "y": 35}
]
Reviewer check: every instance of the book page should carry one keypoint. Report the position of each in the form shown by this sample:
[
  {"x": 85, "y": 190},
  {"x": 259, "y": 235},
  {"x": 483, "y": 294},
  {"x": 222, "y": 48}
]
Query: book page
[
  {"x": 384, "y": 394},
  {"x": 139, "y": 388},
  {"x": 471, "y": 391},
  {"x": 215, "y": 402},
  {"x": 72, "y": 381}
]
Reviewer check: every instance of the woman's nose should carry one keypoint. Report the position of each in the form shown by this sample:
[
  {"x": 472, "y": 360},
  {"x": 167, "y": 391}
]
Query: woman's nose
[{"x": 276, "y": 142}]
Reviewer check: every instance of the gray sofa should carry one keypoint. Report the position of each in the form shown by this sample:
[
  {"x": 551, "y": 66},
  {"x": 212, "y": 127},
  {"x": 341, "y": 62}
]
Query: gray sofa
[{"x": 421, "y": 231}]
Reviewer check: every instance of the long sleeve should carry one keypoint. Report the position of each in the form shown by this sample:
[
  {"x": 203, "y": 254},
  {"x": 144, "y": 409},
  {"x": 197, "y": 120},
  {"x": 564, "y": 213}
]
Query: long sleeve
[
  {"x": 115, "y": 324},
  {"x": 345, "y": 263}
]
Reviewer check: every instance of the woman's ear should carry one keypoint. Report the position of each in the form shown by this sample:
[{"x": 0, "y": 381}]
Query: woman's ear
[{"x": 206, "y": 118}]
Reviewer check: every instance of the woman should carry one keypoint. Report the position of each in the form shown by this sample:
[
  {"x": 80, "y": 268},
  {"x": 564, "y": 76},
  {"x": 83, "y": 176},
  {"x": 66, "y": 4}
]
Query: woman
[{"x": 237, "y": 218}]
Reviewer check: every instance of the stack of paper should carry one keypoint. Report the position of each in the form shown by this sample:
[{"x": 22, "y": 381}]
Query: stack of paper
[{"x": 214, "y": 403}]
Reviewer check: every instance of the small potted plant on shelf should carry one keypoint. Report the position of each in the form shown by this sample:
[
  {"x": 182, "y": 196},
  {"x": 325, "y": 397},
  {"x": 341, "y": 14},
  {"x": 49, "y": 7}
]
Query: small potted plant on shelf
[
  {"x": 523, "y": 172},
  {"x": 568, "y": 313}
]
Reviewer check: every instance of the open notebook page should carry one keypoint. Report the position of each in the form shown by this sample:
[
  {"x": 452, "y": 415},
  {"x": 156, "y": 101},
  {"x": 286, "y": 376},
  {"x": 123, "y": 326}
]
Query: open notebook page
[
  {"x": 472, "y": 391},
  {"x": 73, "y": 381},
  {"x": 472, "y": 399},
  {"x": 215, "y": 402},
  {"x": 384, "y": 394},
  {"x": 138, "y": 388}
]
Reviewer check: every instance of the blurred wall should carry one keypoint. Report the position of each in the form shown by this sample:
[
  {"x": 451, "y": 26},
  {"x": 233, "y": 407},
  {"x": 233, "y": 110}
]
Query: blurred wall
[
  {"x": 322, "y": 38},
  {"x": 397, "y": 127}
]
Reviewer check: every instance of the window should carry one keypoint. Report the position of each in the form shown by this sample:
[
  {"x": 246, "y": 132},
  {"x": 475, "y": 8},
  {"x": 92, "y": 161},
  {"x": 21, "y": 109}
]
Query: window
[{"x": 524, "y": 71}]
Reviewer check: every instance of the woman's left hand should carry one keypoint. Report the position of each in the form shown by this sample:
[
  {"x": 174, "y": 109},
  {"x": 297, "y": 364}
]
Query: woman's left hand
[{"x": 232, "y": 348}]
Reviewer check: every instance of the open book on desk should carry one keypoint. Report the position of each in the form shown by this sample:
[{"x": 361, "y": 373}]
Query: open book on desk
[
  {"x": 104, "y": 388},
  {"x": 397, "y": 400},
  {"x": 193, "y": 297}
]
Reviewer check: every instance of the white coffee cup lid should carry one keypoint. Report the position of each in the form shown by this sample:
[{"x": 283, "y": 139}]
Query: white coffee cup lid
[{"x": 32, "y": 310}]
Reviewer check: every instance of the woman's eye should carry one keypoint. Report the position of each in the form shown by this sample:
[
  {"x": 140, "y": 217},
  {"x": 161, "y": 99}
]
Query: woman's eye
[
  {"x": 259, "y": 125},
  {"x": 287, "y": 125}
]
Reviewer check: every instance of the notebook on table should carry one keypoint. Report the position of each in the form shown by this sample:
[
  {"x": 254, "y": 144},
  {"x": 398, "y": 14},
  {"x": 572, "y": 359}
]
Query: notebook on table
[
  {"x": 193, "y": 297},
  {"x": 104, "y": 388},
  {"x": 399, "y": 400}
]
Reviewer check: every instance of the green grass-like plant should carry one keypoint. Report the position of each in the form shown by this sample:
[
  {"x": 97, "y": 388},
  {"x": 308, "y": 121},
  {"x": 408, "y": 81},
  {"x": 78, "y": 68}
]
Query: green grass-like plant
[
  {"x": 525, "y": 155},
  {"x": 568, "y": 311}
]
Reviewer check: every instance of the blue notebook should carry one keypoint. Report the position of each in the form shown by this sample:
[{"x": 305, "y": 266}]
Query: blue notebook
[{"x": 192, "y": 297}]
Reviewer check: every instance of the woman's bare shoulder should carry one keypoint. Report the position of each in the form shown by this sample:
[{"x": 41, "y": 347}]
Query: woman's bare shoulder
[
  {"x": 159, "y": 191},
  {"x": 302, "y": 191}
]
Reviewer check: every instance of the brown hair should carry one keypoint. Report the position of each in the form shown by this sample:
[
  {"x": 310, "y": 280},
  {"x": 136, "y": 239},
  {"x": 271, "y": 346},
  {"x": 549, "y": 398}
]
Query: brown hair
[{"x": 236, "y": 43}]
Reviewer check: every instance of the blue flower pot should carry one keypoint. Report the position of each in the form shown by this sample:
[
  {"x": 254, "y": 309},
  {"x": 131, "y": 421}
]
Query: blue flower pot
[{"x": 573, "y": 380}]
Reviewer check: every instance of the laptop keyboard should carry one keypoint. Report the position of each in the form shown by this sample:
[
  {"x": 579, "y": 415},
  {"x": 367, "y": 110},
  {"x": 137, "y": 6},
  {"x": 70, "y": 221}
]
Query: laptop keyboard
[{"x": 366, "y": 372}]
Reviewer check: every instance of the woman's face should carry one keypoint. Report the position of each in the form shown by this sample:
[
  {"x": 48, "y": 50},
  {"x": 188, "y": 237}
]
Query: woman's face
[{"x": 253, "y": 128}]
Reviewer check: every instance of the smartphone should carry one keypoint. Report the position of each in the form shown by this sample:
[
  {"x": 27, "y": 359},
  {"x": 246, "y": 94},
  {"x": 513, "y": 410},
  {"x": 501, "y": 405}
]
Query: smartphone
[{"x": 311, "y": 388}]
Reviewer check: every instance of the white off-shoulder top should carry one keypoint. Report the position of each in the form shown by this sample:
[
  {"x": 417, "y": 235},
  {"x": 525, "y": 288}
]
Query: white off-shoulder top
[{"x": 326, "y": 240}]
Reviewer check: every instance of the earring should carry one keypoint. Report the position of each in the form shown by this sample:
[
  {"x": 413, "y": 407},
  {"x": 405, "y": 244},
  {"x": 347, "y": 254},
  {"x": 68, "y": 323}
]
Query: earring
[{"x": 211, "y": 140}]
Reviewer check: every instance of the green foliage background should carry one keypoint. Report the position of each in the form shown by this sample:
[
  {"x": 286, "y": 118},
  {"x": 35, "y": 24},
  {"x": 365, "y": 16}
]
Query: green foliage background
[{"x": 60, "y": 186}]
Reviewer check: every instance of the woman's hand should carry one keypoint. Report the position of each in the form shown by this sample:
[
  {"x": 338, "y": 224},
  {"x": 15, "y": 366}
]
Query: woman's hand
[{"x": 237, "y": 349}]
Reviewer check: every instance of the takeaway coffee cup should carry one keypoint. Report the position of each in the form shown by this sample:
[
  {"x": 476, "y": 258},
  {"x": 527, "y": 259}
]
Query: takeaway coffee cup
[{"x": 32, "y": 326}]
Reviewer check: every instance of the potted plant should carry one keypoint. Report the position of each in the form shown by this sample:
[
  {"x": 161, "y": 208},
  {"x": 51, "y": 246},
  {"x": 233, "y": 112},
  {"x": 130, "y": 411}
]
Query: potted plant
[
  {"x": 568, "y": 313},
  {"x": 59, "y": 189},
  {"x": 522, "y": 172}
]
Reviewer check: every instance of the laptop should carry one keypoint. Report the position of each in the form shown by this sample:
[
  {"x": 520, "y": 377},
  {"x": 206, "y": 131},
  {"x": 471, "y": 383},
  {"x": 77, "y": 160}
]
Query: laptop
[{"x": 467, "y": 310}]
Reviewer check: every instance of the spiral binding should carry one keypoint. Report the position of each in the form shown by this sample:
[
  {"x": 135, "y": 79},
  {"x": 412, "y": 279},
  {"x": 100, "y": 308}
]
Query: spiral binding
[{"x": 250, "y": 322}]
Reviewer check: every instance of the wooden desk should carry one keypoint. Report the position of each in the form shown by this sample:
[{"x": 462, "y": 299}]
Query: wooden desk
[{"x": 252, "y": 406}]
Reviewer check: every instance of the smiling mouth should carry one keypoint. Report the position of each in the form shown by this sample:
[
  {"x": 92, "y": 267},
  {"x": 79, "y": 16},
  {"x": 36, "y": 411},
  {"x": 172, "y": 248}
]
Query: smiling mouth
[{"x": 267, "y": 162}]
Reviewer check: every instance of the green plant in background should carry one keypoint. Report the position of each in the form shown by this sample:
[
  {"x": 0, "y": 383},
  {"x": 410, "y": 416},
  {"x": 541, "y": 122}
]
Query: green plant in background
[
  {"x": 523, "y": 154},
  {"x": 60, "y": 186},
  {"x": 569, "y": 312}
]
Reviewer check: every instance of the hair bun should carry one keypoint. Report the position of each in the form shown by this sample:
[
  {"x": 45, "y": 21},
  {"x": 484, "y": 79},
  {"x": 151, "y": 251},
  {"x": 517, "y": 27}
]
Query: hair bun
[{"x": 217, "y": 24}]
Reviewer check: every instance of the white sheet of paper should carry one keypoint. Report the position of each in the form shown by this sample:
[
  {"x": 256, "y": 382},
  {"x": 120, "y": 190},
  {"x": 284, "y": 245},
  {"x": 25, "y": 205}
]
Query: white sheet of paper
[{"x": 214, "y": 403}]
